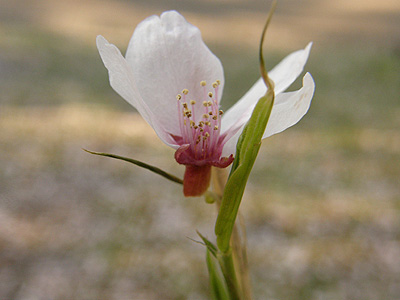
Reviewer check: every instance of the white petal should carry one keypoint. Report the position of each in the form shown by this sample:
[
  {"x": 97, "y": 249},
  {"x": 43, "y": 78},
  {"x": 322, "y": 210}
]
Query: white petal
[
  {"x": 240, "y": 112},
  {"x": 286, "y": 72},
  {"x": 283, "y": 76},
  {"x": 167, "y": 55},
  {"x": 122, "y": 81},
  {"x": 121, "y": 76},
  {"x": 288, "y": 109}
]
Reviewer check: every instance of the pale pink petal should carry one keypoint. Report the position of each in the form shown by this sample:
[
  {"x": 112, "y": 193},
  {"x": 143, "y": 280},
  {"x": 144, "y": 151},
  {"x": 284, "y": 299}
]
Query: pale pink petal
[
  {"x": 167, "y": 55},
  {"x": 122, "y": 81},
  {"x": 282, "y": 75},
  {"x": 121, "y": 76},
  {"x": 288, "y": 109},
  {"x": 286, "y": 72},
  {"x": 240, "y": 112}
]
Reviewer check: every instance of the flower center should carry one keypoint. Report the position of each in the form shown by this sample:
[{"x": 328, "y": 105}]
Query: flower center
[{"x": 200, "y": 122}]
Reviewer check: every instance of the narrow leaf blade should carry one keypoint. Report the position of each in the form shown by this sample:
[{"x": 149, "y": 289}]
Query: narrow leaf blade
[
  {"x": 246, "y": 153},
  {"x": 140, "y": 164},
  {"x": 218, "y": 286},
  {"x": 210, "y": 246}
]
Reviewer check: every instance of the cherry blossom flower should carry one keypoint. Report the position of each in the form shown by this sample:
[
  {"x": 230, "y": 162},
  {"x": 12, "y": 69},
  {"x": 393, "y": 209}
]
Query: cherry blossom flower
[{"x": 176, "y": 83}]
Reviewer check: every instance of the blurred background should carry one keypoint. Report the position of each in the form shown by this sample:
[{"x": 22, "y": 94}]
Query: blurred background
[{"x": 322, "y": 207}]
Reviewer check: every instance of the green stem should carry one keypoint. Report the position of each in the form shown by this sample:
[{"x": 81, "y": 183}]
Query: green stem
[
  {"x": 229, "y": 272},
  {"x": 237, "y": 254},
  {"x": 239, "y": 250}
]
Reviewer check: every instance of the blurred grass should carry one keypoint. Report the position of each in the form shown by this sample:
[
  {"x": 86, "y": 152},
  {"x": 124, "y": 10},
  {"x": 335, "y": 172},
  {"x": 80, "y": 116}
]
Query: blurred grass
[{"x": 322, "y": 206}]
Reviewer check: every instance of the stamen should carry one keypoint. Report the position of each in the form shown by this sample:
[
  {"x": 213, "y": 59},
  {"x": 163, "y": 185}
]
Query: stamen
[
  {"x": 221, "y": 112},
  {"x": 202, "y": 135}
]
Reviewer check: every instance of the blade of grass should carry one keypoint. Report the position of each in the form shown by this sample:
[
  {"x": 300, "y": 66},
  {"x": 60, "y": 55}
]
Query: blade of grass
[{"x": 140, "y": 164}]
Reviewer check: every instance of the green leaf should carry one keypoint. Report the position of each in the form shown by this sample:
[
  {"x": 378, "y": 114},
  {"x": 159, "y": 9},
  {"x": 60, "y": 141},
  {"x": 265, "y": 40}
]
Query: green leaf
[
  {"x": 217, "y": 282},
  {"x": 246, "y": 152},
  {"x": 268, "y": 82},
  {"x": 224, "y": 274},
  {"x": 140, "y": 164},
  {"x": 247, "y": 149},
  {"x": 210, "y": 246}
]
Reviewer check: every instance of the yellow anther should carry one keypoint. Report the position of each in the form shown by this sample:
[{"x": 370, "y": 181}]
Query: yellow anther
[
  {"x": 178, "y": 97},
  {"x": 195, "y": 126},
  {"x": 207, "y": 134},
  {"x": 221, "y": 112},
  {"x": 192, "y": 123},
  {"x": 184, "y": 105},
  {"x": 209, "y": 103},
  {"x": 210, "y": 94},
  {"x": 193, "y": 102},
  {"x": 203, "y": 83},
  {"x": 215, "y": 127},
  {"x": 205, "y": 116},
  {"x": 201, "y": 129},
  {"x": 208, "y": 123},
  {"x": 205, "y": 103},
  {"x": 215, "y": 84},
  {"x": 201, "y": 124},
  {"x": 215, "y": 118},
  {"x": 185, "y": 91},
  {"x": 218, "y": 82},
  {"x": 210, "y": 113}
]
